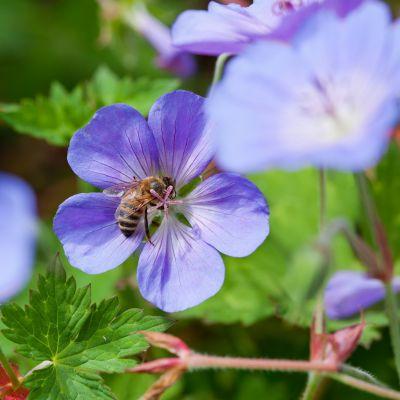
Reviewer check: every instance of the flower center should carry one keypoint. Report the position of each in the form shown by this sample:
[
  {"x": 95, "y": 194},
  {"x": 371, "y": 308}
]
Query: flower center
[
  {"x": 283, "y": 7},
  {"x": 165, "y": 198}
]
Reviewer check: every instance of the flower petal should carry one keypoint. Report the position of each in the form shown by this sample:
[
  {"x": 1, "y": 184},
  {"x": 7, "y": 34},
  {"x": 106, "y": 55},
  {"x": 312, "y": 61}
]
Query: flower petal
[
  {"x": 221, "y": 29},
  {"x": 17, "y": 234},
  {"x": 180, "y": 270},
  {"x": 350, "y": 292},
  {"x": 231, "y": 214},
  {"x": 115, "y": 146},
  {"x": 179, "y": 126},
  {"x": 86, "y": 226},
  {"x": 309, "y": 104}
]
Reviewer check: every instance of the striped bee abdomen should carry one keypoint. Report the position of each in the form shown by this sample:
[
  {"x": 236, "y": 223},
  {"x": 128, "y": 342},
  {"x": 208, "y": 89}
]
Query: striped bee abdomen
[{"x": 128, "y": 218}]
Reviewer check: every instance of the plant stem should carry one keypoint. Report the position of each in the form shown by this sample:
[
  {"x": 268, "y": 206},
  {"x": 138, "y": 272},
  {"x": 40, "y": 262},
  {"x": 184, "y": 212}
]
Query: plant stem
[
  {"x": 9, "y": 370},
  {"x": 219, "y": 68},
  {"x": 367, "y": 203},
  {"x": 366, "y": 386},
  {"x": 312, "y": 386},
  {"x": 200, "y": 361},
  {"x": 322, "y": 199},
  {"x": 314, "y": 379},
  {"x": 392, "y": 314},
  {"x": 390, "y": 299}
]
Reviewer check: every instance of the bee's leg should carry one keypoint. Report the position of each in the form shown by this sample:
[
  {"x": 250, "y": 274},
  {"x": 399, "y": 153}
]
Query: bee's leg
[{"x": 146, "y": 227}]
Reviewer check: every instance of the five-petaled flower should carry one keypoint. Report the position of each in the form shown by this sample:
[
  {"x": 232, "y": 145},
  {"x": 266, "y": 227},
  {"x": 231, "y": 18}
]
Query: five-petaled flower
[
  {"x": 181, "y": 266},
  {"x": 350, "y": 292},
  {"x": 325, "y": 101},
  {"x": 17, "y": 234}
]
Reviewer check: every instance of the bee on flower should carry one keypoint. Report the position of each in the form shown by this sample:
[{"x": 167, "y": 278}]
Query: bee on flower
[{"x": 142, "y": 167}]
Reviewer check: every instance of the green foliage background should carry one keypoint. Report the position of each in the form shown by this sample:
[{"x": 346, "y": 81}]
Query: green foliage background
[{"x": 54, "y": 75}]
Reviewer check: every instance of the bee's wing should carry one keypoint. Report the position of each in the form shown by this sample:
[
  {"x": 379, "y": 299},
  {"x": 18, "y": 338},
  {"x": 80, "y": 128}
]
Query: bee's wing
[{"x": 119, "y": 189}]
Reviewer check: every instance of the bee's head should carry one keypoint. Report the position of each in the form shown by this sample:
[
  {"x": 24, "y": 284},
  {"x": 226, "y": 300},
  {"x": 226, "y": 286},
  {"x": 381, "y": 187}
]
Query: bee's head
[{"x": 158, "y": 186}]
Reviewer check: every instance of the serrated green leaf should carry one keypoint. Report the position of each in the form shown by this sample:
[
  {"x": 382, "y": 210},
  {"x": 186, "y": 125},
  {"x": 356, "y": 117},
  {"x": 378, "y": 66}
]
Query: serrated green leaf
[
  {"x": 80, "y": 339},
  {"x": 57, "y": 117}
]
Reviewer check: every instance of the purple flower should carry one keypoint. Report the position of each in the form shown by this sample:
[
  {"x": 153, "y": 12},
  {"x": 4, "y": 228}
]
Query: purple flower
[
  {"x": 169, "y": 57},
  {"x": 350, "y": 292},
  {"x": 17, "y": 234},
  {"x": 181, "y": 266},
  {"x": 283, "y": 106},
  {"x": 230, "y": 28}
]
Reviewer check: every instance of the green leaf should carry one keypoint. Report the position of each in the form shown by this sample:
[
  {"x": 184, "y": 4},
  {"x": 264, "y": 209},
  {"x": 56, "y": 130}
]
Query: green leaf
[
  {"x": 80, "y": 339},
  {"x": 56, "y": 118}
]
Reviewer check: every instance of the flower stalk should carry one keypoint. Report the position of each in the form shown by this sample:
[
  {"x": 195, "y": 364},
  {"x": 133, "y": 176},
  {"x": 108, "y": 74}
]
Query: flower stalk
[
  {"x": 219, "y": 68},
  {"x": 9, "y": 370},
  {"x": 394, "y": 323},
  {"x": 367, "y": 387},
  {"x": 314, "y": 379},
  {"x": 201, "y": 361},
  {"x": 322, "y": 199},
  {"x": 387, "y": 266}
]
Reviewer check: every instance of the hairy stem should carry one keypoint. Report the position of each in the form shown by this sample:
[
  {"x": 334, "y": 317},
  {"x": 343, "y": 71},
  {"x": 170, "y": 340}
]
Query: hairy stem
[
  {"x": 392, "y": 314},
  {"x": 313, "y": 384},
  {"x": 9, "y": 370},
  {"x": 366, "y": 386},
  {"x": 200, "y": 361},
  {"x": 314, "y": 379},
  {"x": 219, "y": 68}
]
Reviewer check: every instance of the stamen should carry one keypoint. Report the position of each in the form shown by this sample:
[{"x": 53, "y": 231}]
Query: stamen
[{"x": 165, "y": 202}]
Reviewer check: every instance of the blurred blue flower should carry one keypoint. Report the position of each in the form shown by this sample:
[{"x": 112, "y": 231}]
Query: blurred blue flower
[
  {"x": 169, "y": 57},
  {"x": 17, "y": 234},
  {"x": 350, "y": 292},
  {"x": 329, "y": 100},
  {"x": 230, "y": 28},
  {"x": 181, "y": 266}
]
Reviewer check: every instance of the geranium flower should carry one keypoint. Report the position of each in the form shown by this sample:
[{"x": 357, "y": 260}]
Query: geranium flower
[
  {"x": 17, "y": 234},
  {"x": 181, "y": 266},
  {"x": 330, "y": 100},
  {"x": 169, "y": 57},
  {"x": 231, "y": 28},
  {"x": 350, "y": 292}
]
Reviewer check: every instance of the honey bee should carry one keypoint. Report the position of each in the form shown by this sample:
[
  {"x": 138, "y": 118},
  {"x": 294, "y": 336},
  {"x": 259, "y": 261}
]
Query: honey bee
[{"x": 136, "y": 197}]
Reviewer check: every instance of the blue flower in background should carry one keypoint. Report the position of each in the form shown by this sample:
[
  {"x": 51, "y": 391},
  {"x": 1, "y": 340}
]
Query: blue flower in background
[
  {"x": 169, "y": 57},
  {"x": 181, "y": 265},
  {"x": 350, "y": 292},
  {"x": 231, "y": 28},
  {"x": 17, "y": 234},
  {"x": 329, "y": 100}
]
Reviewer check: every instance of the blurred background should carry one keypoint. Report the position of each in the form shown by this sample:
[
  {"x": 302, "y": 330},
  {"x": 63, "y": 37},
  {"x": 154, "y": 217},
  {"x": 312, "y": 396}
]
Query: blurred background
[{"x": 265, "y": 307}]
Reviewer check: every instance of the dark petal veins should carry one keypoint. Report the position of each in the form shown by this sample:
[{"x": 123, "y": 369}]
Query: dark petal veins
[
  {"x": 113, "y": 148},
  {"x": 180, "y": 270},
  {"x": 179, "y": 126},
  {"x": 230, "y": 213}
]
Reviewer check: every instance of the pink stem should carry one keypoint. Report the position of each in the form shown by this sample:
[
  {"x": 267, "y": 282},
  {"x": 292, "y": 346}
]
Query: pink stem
[{"x": 195, "y": 361}]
